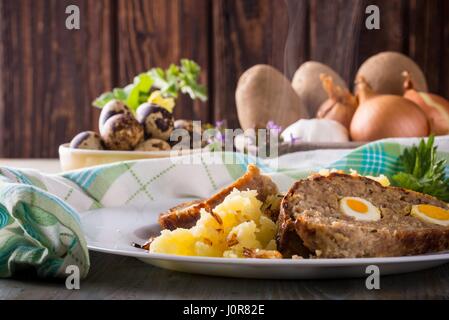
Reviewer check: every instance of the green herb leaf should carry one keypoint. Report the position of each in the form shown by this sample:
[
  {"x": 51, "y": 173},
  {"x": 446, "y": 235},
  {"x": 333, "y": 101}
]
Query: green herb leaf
[
  {"x": 119, "y": 93},
  {"x": 190, "y": 67},
  {"x": 137, "y": 92},
  {"x": 103, "y": 99},
  {"x": 422, "y": 171},
  {"x": 170, "y": 82}
]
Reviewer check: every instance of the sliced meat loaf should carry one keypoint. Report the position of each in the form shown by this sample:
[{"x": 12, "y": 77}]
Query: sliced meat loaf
[
  {"x": 186, "y": 214},
  {"x": 310, "y": 220}
]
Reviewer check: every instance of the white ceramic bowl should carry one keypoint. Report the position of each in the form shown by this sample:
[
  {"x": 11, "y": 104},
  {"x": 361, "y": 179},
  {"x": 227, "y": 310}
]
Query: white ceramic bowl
[{"x": 71, "y": 158}]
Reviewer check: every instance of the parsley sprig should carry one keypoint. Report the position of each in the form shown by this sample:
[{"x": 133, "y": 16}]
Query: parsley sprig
[
  {"x": 423, "y": 171},
  {"x": 175, "y": 79}
]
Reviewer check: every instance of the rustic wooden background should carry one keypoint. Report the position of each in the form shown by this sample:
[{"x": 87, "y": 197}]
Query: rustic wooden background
[{"x": 49, "y": 75}]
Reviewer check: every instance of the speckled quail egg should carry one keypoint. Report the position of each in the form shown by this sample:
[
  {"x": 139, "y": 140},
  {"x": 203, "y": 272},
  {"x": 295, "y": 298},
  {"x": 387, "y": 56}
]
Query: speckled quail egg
[
  {"x": 184, "y": 124},
  {"x": 153, "y": 145},
  {"x": 87, "y": 140},
  {"x": 112, "y": 108},
  {"x": 184, "y": 132},
  {"x": 194, "y": 130},
  {"x": 122, "y": 132},
  {"x": 157, "y": 121}
]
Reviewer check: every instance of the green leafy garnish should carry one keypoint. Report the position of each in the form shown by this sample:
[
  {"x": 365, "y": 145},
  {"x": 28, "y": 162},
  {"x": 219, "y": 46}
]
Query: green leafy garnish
[
  {"x": 423, "y": 171},
  {"x": 170, "y": 82}
]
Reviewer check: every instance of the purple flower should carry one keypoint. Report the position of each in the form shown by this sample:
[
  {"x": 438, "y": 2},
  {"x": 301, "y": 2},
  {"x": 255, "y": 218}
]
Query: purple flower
[
  {"x": 219, "y": 124},
  {"x": 217, "y": 136},
  {"x": 293, "y": 139},
  {"x": 221, "y": 137},
  {"x": 273, "y": 126}
]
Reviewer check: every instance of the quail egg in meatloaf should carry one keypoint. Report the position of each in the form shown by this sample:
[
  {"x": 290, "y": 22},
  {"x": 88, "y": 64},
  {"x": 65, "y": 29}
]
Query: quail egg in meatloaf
[
  {"x": 157, "y": 121},
  {"x": 431, "y": 214},
  {"x": 359, "y": 209}
]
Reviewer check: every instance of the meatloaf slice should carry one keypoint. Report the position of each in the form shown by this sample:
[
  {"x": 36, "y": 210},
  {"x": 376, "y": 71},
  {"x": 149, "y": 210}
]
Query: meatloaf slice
[
  {"x": 186, "y": 214},
  {"x": 310, "y": 219}
]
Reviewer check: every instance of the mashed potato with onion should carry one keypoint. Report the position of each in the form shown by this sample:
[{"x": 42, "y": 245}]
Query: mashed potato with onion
[
  {"x": 382, "y": 179},
  {"x": 235, "y": 224}
]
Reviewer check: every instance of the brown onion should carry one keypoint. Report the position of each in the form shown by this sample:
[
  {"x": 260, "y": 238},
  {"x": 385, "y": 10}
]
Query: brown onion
[
  {"x": 341, "y": 104},
  {"x": 435, "y": 107},
  {"x": 385, "y": 116}
]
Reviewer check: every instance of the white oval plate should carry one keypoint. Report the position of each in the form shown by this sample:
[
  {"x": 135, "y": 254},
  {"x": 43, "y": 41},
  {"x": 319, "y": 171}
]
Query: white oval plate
[{"x": 114, "y": 230}]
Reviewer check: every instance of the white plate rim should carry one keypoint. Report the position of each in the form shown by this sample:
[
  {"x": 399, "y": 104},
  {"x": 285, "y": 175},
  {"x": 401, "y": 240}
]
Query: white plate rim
[{"x": 320, "y": 262}]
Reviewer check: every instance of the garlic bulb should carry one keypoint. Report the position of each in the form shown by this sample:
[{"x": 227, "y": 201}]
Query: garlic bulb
[{"x": 315, "y": 130}]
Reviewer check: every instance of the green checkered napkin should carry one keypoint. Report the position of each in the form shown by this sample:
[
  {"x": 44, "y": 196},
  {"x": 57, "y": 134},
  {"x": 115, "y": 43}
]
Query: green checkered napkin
[{"x": 40, "y": 214}]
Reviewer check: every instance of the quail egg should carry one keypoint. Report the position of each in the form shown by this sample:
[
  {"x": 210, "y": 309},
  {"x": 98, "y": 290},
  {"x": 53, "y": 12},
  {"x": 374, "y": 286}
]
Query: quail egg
[
  {"x": 184, "y": 132},
  {"x": 112, "y": 108},
  {"x": 153, "y": 145},
  {"x": 122, "y": 132},
  {"x": 192, "y": 133},
  {"x": 87, "y": 140},
  {"x": 157, "y": 121},
  {"x": 184, "y": 124}
]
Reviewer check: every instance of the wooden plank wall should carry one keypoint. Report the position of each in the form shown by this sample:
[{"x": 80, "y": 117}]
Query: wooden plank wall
[{"x": 49, "y": 75}]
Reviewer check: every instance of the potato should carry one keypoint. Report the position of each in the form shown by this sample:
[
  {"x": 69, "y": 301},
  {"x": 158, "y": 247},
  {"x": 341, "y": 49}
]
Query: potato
[
  {"x": 383, "y": 72},
  {"x": 244, "y": 236},
  {"x": 307, "y": 84},
  {"x": 264, "y": 94},
  {"x": 236, "y": 223}
]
